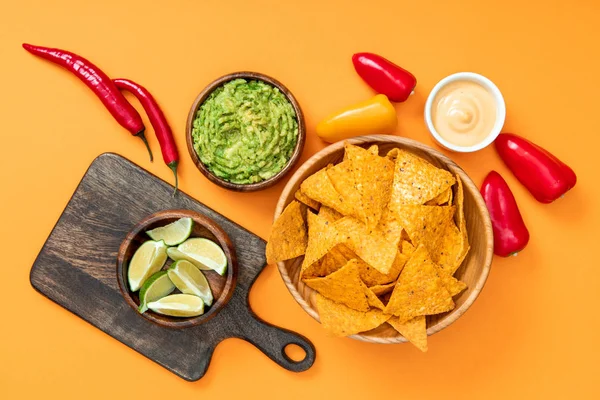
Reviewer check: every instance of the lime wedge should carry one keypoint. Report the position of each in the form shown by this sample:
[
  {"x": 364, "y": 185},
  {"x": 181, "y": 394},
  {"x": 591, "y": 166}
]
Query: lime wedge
[
  {"x": 176, "y": 255},
  {"x": 157, "y": 286},
  {"x": 178, "y": 305},
  {"x": 205, "y": 252},
  {"x": 190, "y": 280},
  {"x": 147, "y": 260},
  {"x": 174, "y": 233}
]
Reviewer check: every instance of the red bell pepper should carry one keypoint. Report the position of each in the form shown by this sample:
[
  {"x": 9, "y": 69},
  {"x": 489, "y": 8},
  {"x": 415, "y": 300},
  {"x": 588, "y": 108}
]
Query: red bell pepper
[
  {"x": 544, "y": 175},
  {"x": 510, "y": 233},
  {"x": 384, "y": 76}
]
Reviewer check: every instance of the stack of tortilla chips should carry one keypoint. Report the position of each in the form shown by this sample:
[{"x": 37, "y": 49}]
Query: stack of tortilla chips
[{"x": 381, "y": 237}]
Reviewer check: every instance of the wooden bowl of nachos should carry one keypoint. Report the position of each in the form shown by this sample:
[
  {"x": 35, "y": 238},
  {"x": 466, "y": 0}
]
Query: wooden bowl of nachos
[{"x": 382, "y": 239}]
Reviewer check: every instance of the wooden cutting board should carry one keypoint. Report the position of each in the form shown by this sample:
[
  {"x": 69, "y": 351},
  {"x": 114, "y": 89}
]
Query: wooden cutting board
[{"x": 76, "y": 268}]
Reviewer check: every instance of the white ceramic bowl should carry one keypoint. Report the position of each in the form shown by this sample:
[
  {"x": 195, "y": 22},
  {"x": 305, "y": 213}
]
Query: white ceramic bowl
[{"x": 500, "y": 110}]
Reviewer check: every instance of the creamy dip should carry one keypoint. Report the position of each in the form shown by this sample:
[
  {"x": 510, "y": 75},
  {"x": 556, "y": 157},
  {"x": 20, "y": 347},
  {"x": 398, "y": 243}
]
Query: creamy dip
[{"x": 464, "y": 113}]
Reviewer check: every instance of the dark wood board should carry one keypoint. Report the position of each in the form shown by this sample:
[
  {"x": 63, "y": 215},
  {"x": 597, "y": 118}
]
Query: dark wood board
[{"x": 76, "y": 268}]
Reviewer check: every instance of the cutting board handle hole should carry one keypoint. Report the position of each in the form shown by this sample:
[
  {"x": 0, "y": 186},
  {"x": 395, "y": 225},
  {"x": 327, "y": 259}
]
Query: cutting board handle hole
[{"x": 294, "y": 353}]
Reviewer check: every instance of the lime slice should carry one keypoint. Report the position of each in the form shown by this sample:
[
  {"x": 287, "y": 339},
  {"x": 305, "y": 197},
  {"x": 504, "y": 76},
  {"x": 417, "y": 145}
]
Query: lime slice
[
  {"x": 174, "y": 233},
  {"x": 190, "y": 280},
  {"x": 147, "y": 260},
  {"x": 205, "y": 252},
  {"x": 178, "y": 305},
  {"x": 176, "y": 255},
  {"x": 157, "y": 286}
]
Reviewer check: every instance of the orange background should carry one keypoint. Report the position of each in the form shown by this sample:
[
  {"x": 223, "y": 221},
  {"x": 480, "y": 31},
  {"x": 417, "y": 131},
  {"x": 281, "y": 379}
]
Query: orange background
[{"x": 533, "y": 332}]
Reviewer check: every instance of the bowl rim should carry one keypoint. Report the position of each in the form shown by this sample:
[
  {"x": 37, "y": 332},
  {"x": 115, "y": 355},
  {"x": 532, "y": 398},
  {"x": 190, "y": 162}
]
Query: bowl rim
[
  {"x": 224, "y": 242},
  {"x": 500, "y": 111},
  {"x": 467, "y": 182},
  {"x": 249, "y": 75}
]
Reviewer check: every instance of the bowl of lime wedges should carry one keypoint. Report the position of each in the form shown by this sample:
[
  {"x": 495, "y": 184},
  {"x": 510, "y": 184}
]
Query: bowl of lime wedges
[{"x": 177, "y": 268}]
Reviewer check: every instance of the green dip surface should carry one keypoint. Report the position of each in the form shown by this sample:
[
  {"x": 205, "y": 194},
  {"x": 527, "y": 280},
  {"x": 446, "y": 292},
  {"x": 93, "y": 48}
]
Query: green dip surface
[{"x": 245, "y": 131}]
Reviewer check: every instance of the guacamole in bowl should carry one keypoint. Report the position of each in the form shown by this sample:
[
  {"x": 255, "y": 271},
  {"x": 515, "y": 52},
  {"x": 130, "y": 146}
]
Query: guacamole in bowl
[{"x": 245, "y": 131}]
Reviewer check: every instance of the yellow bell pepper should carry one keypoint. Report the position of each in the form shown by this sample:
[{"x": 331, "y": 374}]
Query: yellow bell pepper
[{"x": 374, "y": 116}]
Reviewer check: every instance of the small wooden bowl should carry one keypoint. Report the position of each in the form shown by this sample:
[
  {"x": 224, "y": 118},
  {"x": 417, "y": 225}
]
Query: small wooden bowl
[
  {"x": 251, "y": 187},
  {"x": 474, "y": 270},
  {"x": 221, "y": 286}
]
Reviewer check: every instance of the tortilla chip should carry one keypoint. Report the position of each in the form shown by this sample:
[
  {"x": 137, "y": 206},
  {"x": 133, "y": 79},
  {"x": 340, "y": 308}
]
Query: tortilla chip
[
  {"x": 329, "y": 214},
  {"x": 323, "y": 267},
  {"x": 343, "y": 286},
  {"x": 341, "y": 254},
  {"x": 342, "y": 178},
  {"x": 404, "y": 236},
  {"x": 319, "y": 188},
  {"x": 373, "y": 177},
  {"x": 416, "y": 181},
  {"x": 426, "y": 224},
  {"x": 288, "y": 237},
  {"x": 370, "y": 246},
  {"x": 460, "y": 200},
  {"x": 450, "y": 250},
  {"x": 371, "y": 277},
  {"x": 389, "y": 227},
  {"x": 345, "y": 251},
  {"x": 407, "y": 248},
  {"x": 414, "y": 330},
  {"x": 302, "y": 198},
  {"x": 373, "y": 300},
  {"x": 392, "y": 154},
  {"x": 461, "y": 222},
  {"x": 452, "y": 285},
  {"x": 322, "y": 237},
  {"x": 374, "y": 149},
  {"x": 385, "y": 298},
  {"x": 344, "y": 321},
  {"x": 419, "y": 290},
  {"x": 335, "y": 259},
  {"x": 441, "y": 199},
  {"x": 380, "y": 290}
]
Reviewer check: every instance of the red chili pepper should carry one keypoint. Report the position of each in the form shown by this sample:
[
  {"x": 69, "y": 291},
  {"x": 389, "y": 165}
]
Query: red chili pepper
[
  {"x": 544, "y": 175},
  {"x": 510, "y": 233},
  {"x": 100, "y": 84},
  {"x": 159, "y": 123},
  {"x": 384, "y": 76}
]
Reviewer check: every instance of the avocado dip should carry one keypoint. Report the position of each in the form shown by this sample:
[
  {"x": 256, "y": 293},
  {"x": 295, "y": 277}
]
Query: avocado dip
[{"x": 245, "y": 131}]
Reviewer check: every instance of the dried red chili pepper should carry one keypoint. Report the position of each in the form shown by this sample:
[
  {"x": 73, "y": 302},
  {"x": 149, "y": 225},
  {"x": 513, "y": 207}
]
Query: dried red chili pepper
[
  {"x": 510, "y": 233},
  {"x": 384, "y": 76},
  {"x": 544, "y": 175},
  {"x": 100, "y": 84},
  {"x": 159, "y": 123}
]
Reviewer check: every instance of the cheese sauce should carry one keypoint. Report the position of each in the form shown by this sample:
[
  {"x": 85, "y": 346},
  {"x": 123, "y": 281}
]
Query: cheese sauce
[{"x": 464, "y": 113}]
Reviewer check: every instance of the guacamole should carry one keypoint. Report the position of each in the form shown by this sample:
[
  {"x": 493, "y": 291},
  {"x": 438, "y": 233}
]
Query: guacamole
[{"x": 245, "y": 131}]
